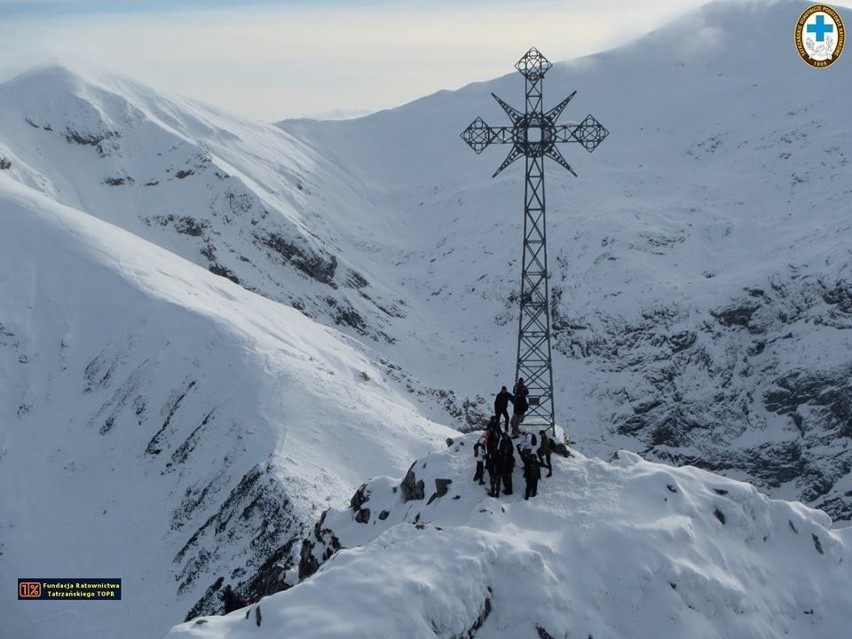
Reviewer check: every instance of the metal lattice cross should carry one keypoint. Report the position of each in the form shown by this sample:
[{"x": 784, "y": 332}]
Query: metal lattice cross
[{"x": 534, "y": 135}]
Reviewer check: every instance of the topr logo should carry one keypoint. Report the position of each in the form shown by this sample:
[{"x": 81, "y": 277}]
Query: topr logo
[{"x": 820, "y": 36}]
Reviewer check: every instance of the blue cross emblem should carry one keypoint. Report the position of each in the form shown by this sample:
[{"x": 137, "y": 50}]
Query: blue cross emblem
[{"x": 820, "y": 28}]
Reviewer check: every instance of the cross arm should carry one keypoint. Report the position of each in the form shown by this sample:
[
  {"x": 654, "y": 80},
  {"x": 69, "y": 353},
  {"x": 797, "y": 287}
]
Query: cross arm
[
  {"x": 479, "y": 135},
  {"x": 590, "y": 133}
]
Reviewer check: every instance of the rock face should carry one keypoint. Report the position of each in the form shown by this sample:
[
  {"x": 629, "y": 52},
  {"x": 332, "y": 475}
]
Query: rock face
[{"x": 765, "y": 371}]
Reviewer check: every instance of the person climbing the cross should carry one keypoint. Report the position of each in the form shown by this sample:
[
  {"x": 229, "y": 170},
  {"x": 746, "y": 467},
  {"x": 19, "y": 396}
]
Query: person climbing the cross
[
  {"x": 501, "y": 404},
  {"x": 521, "y": 404}
]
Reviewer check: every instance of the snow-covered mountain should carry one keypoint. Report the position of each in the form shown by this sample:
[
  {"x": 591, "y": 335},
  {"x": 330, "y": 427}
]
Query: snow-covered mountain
[
  {"x": 700, "y": 276},
  {"x": 700, "y": 264},
  {"x": 164, "y": 426},
  {"x": 606, "y": 550}
]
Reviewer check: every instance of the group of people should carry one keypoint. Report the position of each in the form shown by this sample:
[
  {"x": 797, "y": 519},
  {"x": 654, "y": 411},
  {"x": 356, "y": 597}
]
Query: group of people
[{"x": 495, "y": 453}]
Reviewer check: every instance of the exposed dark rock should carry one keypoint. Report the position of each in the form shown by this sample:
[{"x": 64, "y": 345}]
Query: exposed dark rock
[
  {"x": 317, "y": 266},
  {"x": 719, "y": 515},
  {"x": 256, "y": 511},
  {"x": 221, "y": 271},
  {"x": 739, "y": 314},
  {"x": 308, "y": 564},
  {"x": 118, "y": 181},
  {"x": 188, "y": 225},
  {"x": 442, "y": 486},
  {"x": 542, "y": 633},
  {"x": 270, "y": 575},
  {"x": 5, "y": 163},
  {"x": 361, "y": 497},
  {"x": 412, "y": 488},
  {"x": 210, "y": 594},
  {"x": 345, "y": 315},
  {"x": 383, "y": 515},
  {"x": 184, "y": 173},
  {"x": 483, "y": 615},
  {"x": 155, "y": 444},
  {"x": 89, "y": 139},
  {"x": 355, "y": 280},
  {"x": 363, "y": 516},
  {"x": 817, "y": 544}
]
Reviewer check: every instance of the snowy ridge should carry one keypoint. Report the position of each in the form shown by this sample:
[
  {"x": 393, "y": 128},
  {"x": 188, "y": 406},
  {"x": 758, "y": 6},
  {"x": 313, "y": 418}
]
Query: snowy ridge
[
  {"x": 702, "y": 302},
  {"x": 232, "y": 195},
  {"x": 701, "y": 287},
  {"x": 607, "y": 550},
  {"x": 183, "y": 431}
]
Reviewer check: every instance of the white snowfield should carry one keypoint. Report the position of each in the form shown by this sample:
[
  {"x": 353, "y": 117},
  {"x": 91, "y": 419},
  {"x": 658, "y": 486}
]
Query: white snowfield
[
  {"x": 139, "y": 393},
  {"x": 606, "y": 550},
  {"x": 166, "y": 426}
]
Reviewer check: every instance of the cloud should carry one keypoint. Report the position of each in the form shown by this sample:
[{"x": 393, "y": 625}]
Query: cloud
[{"x": 300, "y": 58}]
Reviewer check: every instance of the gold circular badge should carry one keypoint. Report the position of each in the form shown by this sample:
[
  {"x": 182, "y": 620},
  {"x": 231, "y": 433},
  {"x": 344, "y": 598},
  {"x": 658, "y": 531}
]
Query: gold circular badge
[{"x": 820, "y": 36}]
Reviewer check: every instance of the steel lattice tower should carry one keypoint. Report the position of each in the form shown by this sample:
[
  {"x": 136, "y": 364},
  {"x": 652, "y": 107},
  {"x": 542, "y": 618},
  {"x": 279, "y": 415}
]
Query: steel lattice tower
[{"x": 534, "y": 134}]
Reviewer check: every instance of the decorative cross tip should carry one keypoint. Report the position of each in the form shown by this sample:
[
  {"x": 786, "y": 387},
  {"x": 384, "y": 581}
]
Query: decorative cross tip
[
  {"x": 534, "y": 133},
  {"x": 533, "y": 65},
  {"x": 590, "y": 133},
  {"x": 477, "y": 135}
]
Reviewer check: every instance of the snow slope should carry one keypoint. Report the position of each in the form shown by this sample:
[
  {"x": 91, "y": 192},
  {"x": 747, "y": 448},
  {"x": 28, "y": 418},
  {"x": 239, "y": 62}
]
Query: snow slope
[
  {"x": 701, "y": 291},
  {"x": 701, "y": 288},
  {"x": 701, "y": 294},
  {"x": 164, "y": 426},
  {"x": 606, "y": 550}
]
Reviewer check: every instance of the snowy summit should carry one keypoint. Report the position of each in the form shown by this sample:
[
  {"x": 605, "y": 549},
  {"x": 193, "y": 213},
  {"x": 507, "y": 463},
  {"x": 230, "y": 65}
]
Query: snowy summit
[
  {"x": 214, "y": 330},
  {"x": 606, "y": 550}
]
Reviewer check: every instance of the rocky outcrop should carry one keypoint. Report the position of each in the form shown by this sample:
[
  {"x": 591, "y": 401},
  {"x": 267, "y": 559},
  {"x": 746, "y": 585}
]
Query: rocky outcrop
[{"x": 701, "y": 384}]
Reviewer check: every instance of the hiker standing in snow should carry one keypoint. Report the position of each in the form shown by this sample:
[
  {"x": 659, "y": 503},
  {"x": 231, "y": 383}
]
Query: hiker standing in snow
[
  {"x": 480, "y": 453},
  {"x": 492, "y": 462},
  {"x": 521, "y": 404},
  {"x": 544, "y": 451},
  {"x": 230, "y": 601},
  {"x": 532, "y": 473},
  {"x": 507, "y": 462},
  {"x": 501, "y": 404}
]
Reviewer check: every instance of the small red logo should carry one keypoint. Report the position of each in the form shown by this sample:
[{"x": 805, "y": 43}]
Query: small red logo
[{"x": 29, "y": 589}]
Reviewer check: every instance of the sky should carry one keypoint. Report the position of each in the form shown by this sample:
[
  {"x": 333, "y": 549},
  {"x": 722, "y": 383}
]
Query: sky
[{"x": 314, "y": 58}]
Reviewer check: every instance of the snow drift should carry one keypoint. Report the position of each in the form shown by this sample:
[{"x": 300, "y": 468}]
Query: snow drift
[
  {"x": 164, "y": 426},
  {"x": 606, "y": 550}
]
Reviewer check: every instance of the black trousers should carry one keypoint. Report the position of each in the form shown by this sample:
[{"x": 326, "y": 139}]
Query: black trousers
[
  {"x": 532, "y": 488},
  {"x": 480, "y": 469},
  {"x": 495, "y": 484},
  {"x": 503, "y": 413},
  {"x": 544, "y": 458},
  {"x": 507, "y": 482}
]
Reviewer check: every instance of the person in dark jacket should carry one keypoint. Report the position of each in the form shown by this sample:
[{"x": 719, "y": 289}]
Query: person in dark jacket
[
  {"x": 501, "y": 404},
  {"x": 493, "y": 466},
  {"x": 492, "y": 461},
  {"x": 480, "y": 452},
  {"x": 521, "y": 404},
  {"x": 507, "y": 462},
  {"x": 230, "y": 600},
  {"x": 532, "y": 473},
  {"x": 544, "y": 451}
]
